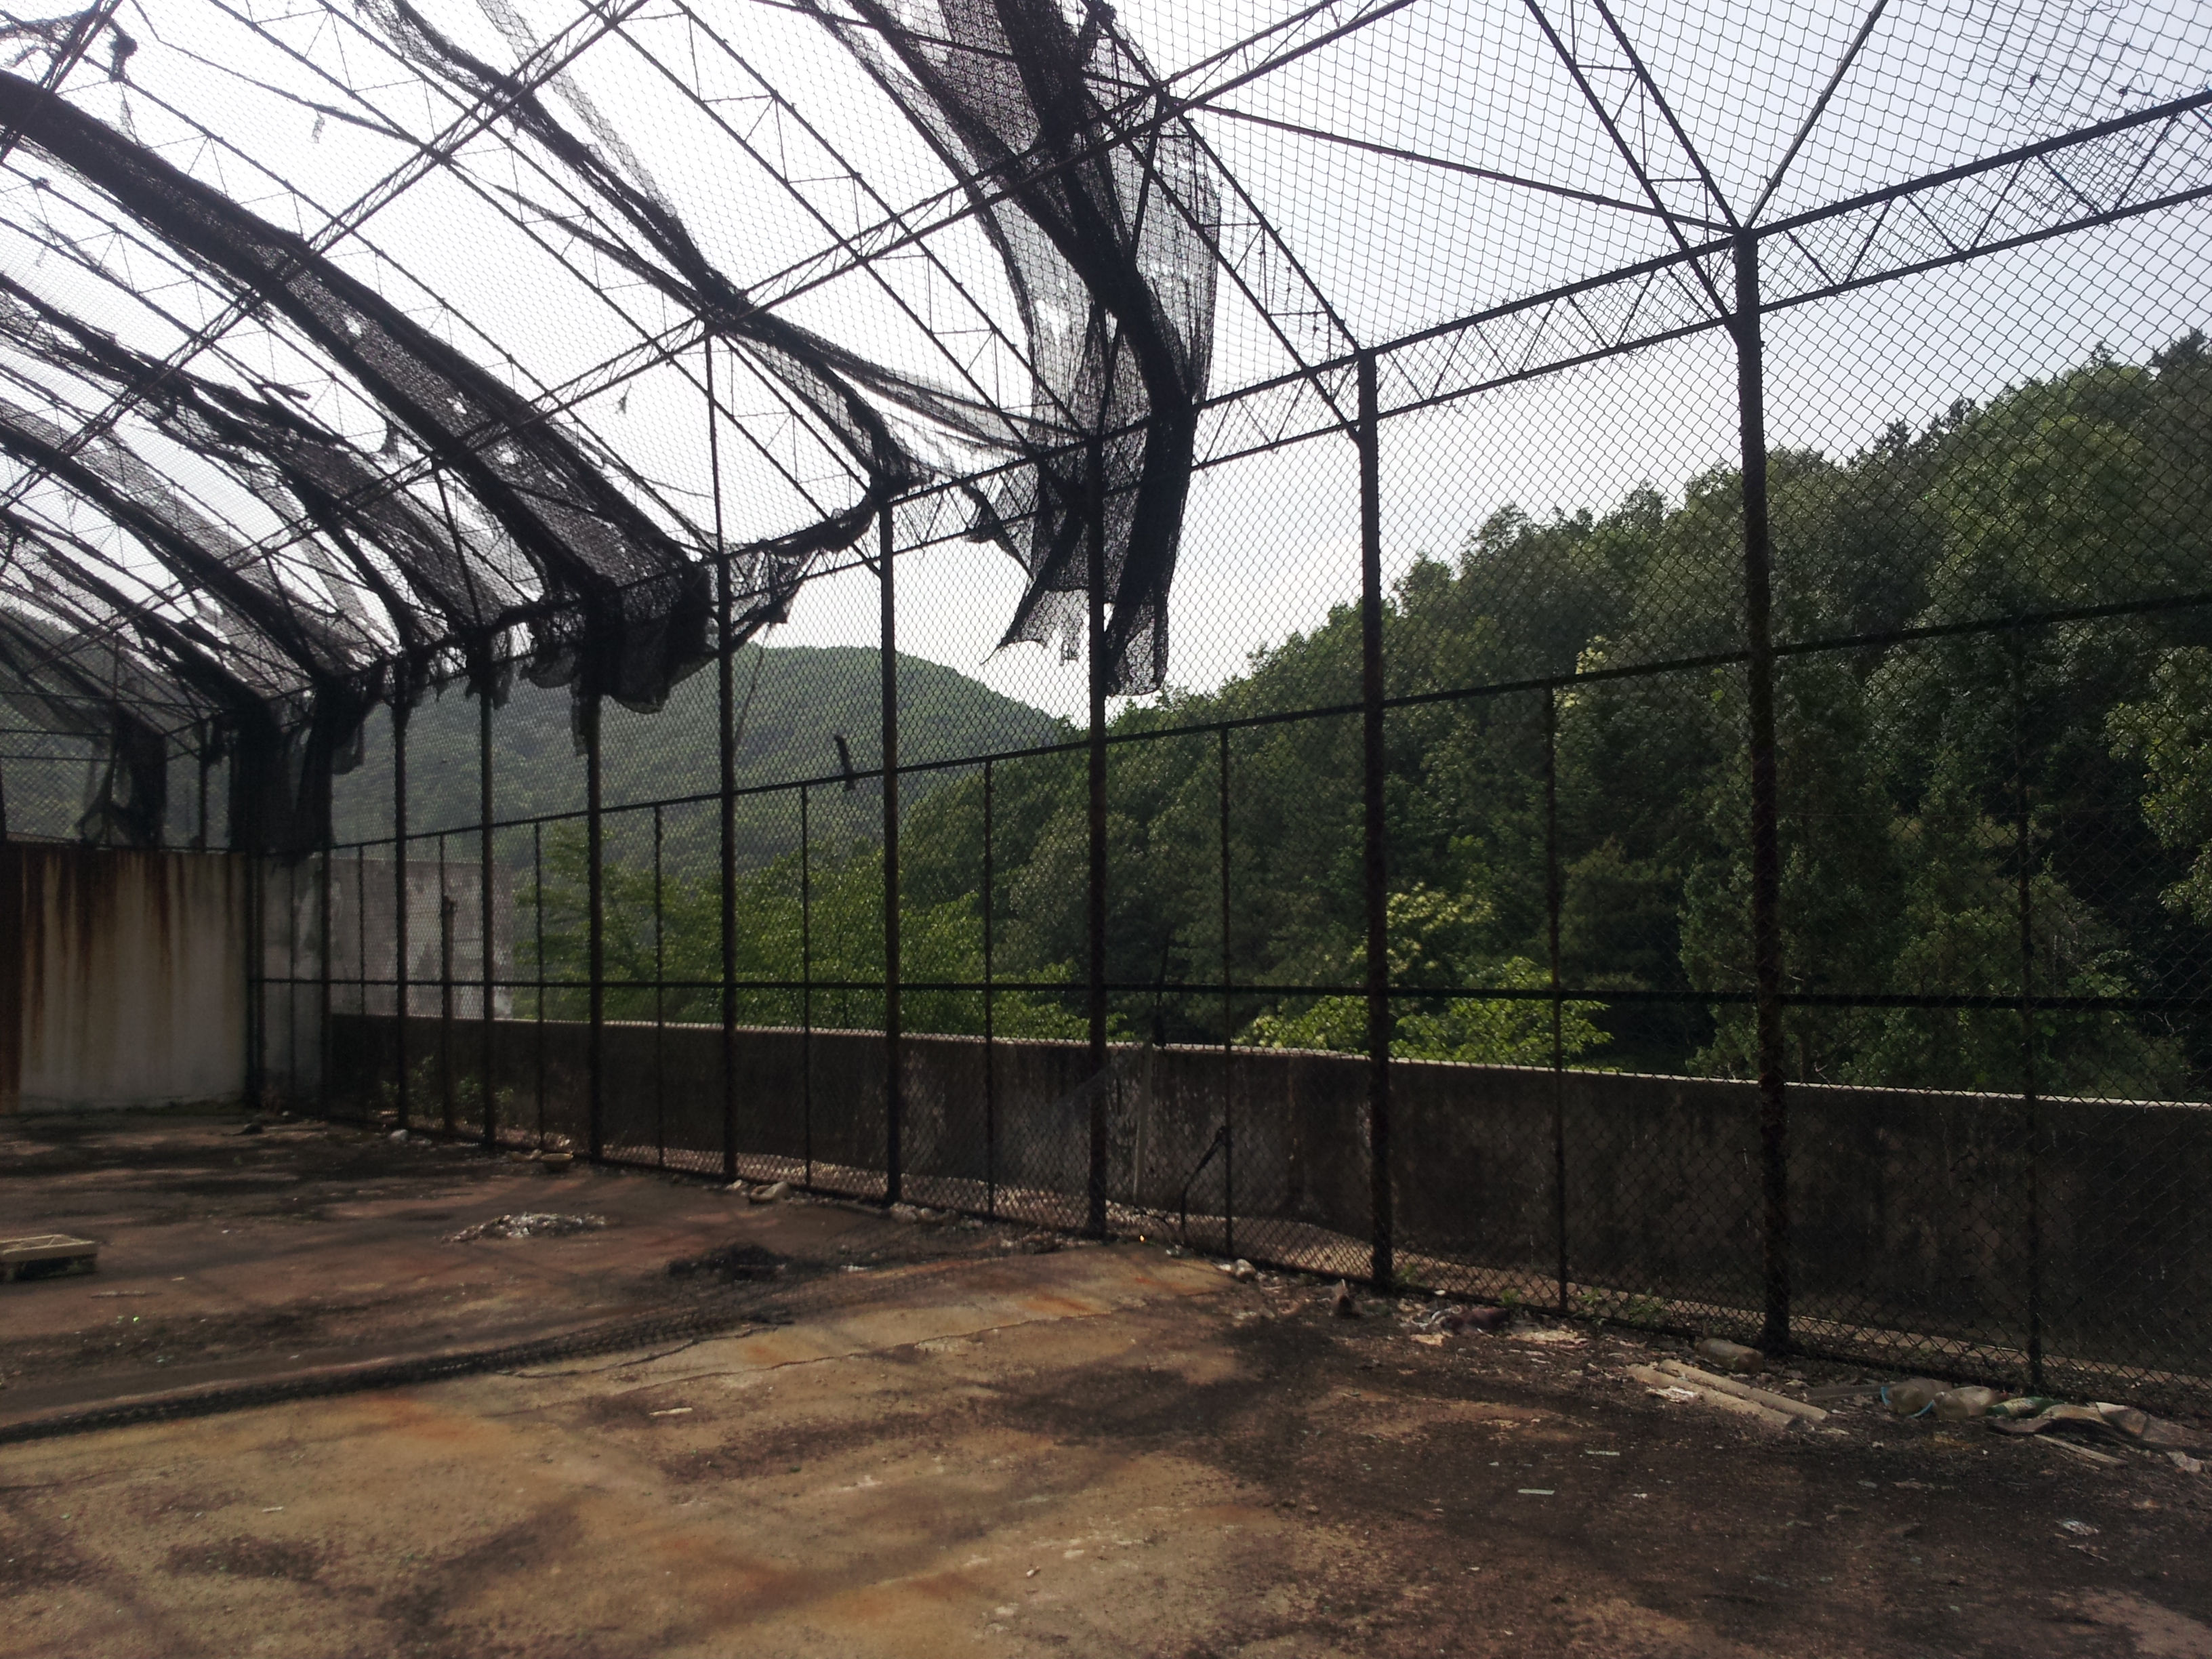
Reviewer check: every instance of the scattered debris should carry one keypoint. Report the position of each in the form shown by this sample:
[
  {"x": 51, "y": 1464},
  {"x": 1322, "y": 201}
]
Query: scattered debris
[
  {"x": 1037, "y": 1243},
  {"x": 1342, "y": 1302},
  {"x": 1240, "y": 1270},
  {"x": 1914, "y": 1397},
  {"x": 1429, "y": 1339},
  {"x": 2079, "y": 1528},
  {"x": 38, "y": 1256},
  {"x": 1783, "y": 1403},
  {"x": 1675, "y": 1394},
  {"x": 1962, "y": 1405},
  {"x": 1843, "y": 1391},
  {"x": 672, "y": 1410},
  {"x": 1668, "y": 1386},
  {"x": 1475, "y": 1319},
  {"x": 774, "y": 1193},
  {"x": 1554, "y": 1337},
  {"x": 1732, "y": 1356},
  {"x": 528, "y": 1224},
  {"x": 2115, "y": 1425},
  {"x": 2185, "y": 1463},
  {"x": 2085, "y": 1454},
  {"x": 731, "y": 1262}
]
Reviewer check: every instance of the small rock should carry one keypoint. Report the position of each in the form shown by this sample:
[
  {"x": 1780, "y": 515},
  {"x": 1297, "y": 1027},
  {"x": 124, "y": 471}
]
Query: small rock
[
  {"x": 397, "y": 1135},
  {"x": 775, "y": 1193},
  {"x": 1732, "y": 1356},
  {"x": 2079, "y": 1528},
  {"x": 1243, "y": 1272},
  {"x": 2185, "y": 1463},
  {"x": 1342, "y": 1302}
]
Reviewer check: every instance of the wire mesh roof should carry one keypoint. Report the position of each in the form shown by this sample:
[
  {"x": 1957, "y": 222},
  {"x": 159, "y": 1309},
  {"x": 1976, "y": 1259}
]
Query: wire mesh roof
[{"x": 348, "y": 350}]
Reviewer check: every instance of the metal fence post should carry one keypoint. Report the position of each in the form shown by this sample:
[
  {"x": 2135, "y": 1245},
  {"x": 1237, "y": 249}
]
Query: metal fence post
[
  {"x": 990, "y": 1001},
  {"x": 2031, "y": 1105},
  {"x": 727, "y": 715},
  {"x": 806, "y": 980},
  {"x": 486, "y": 868},
  {"x": 1095, "y": 910},
  {"x": 1765, "y": 838},
  {"x": 894, "y": 1081},
  {"x": 399, "y": 896},
  {"x": 594, "y": 851},
  {"x": 1376, "y": 865},
  {"x": 446, "y": 929},
  {"x": 659, "y": 1000},
  {"x": 323, "y": 989},
  {"x": 537, "y": 922},
  {"x": 1228, "y": 1031},
  {"x": 255, "y": 980},
  {"x": 1552, "y": 897}
]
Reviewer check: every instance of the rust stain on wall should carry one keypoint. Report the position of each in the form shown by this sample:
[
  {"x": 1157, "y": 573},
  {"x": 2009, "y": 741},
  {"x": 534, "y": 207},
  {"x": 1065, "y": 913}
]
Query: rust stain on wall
[{"x": 122, "y": 978}]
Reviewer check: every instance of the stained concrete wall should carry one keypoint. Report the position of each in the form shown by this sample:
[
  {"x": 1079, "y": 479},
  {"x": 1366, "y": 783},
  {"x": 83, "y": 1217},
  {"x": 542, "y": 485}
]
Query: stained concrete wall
[
  {"x": 122, "y": 978},
  {"x": 1946, "y": 1213}
]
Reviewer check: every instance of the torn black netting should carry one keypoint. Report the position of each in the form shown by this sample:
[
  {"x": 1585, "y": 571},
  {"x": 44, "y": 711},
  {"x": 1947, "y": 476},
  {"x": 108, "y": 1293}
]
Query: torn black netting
[
  {"x": 627, "y": 609},
  {"x": 1102, "y": 209}
]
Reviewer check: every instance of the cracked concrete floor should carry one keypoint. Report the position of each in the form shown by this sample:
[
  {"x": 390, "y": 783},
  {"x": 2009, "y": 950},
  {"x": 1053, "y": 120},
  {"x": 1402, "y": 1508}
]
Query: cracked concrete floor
[{"x": 1099, "y": 1451}]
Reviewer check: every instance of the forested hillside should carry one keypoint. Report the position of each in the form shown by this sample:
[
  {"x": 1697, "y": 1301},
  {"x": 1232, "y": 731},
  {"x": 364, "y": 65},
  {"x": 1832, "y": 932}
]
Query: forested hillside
[
  {"x": 794, "y": 703},
  {"x": 1909, "y": 774}
]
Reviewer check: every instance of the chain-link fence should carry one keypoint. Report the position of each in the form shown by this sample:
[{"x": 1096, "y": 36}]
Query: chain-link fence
[{"x": 1601, "y": 699}]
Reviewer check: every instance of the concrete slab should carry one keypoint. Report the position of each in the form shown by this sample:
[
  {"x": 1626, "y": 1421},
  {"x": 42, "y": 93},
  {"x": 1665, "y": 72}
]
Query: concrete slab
[{"x": 1099, "y": 1451}]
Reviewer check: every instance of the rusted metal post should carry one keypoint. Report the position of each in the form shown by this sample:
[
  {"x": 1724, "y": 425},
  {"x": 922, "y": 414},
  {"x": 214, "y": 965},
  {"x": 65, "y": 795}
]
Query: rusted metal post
[
  {"x": 2031, "y": 1106},
  {"x": 726, "y": 716},
  {"x": 595, "y": 879},
  {"x": 1228, "y": 1032},
  {"x": 893, "y": 1079},
  {"x": 660, "y": 1001},
  {"x": 1094, "y": 587},
  {"x": 256, "y": 979},
  {"x": 1552, "y": 895},
  {"x": 486, "y": 869},
  {"x": 323, "y": 985},
  {"x": 399, "y": 896},
  {"x": 1765, "y": 838},
  {"x": 990, "y": 1002},
  {"x": 1376, "y": 861},
  {"x": 360, "y": 954},
  {"x": 538, "y": 909},
  {"x": 806, "y": 980},
  {"x": 446, "y": 929}
]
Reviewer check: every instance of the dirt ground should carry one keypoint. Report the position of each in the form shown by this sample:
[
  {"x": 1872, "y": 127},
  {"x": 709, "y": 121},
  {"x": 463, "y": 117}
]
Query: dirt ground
[{"x": 888, "y": 1438}]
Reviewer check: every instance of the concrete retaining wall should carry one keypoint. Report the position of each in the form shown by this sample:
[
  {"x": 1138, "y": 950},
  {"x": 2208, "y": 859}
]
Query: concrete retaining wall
[{"x": 1909, "y": 1207}]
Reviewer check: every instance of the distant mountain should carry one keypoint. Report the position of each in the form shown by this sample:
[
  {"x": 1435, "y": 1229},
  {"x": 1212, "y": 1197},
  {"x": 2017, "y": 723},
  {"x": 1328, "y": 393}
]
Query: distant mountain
[{"x": 795, "y": 703}]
